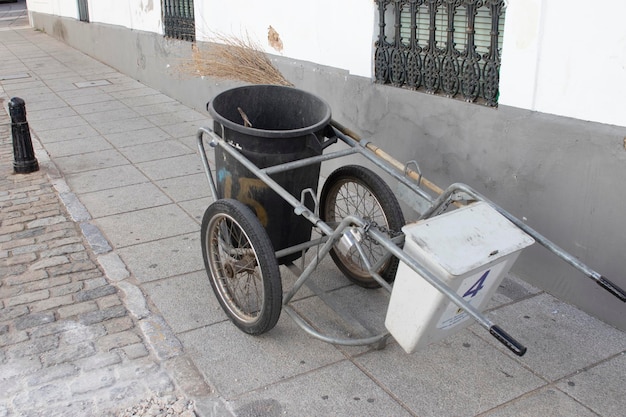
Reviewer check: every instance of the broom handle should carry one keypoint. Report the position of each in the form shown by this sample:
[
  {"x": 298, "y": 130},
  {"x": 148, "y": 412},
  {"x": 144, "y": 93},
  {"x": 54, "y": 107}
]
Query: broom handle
[{"x": 385, "y": 156}]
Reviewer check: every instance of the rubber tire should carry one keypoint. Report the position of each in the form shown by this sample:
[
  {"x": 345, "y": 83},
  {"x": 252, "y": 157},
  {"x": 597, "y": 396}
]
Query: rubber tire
[
  {"x": 393, "y": 218},
  {"x": 223, "y": 270}
]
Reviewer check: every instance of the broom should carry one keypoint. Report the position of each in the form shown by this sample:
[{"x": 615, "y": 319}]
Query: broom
[
  {"x": 233, "y": 58},
  {"x": 242, "y": 59}
]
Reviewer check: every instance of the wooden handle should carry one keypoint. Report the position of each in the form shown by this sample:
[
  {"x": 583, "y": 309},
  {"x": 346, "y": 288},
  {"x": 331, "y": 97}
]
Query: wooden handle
[{"x": 385, "y": 156}]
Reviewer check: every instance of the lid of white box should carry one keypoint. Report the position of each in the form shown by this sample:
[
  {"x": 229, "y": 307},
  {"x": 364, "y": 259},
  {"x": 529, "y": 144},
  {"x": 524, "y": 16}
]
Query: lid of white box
[{"x": 467, "y": 238}]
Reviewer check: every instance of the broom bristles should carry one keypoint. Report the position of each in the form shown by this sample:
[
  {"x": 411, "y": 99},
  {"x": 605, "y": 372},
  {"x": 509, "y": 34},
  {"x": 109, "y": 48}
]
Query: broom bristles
[{"x": 233, "y": 58}]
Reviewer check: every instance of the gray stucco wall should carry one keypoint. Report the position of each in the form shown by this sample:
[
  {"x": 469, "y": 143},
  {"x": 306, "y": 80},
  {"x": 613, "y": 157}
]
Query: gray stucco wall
[{"x": 565, "y": 176}]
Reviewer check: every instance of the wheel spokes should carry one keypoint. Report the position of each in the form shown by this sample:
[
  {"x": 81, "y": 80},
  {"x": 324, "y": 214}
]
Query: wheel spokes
[
  {"x": 352, "y": 198},
  {"x": 237, "y": 269}
]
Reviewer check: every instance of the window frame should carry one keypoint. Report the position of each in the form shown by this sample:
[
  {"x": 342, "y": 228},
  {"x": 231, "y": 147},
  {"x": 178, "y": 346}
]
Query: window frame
[
  {"x": 179, "y": 19},
  {"x": 438, "y": 64}
]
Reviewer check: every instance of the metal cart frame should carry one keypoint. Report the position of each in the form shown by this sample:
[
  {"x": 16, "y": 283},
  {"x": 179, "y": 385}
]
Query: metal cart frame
[{"x": 410, "y": 176}]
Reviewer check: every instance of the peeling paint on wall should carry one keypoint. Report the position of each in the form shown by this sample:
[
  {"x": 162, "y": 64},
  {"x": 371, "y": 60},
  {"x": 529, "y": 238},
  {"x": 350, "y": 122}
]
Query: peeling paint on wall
[
  {"x": 147, "y": 6},
  {"x": 273, "y": 38}
]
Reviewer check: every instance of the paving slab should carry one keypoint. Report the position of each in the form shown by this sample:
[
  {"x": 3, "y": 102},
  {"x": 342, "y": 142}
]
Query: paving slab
[
  {"x": 178, "y": 118},
  {"x": 50, "y": 113},
  {"x": 172, "y": 167},
  {"x": 326, "y": 276},
  {"x": 77, "y": 146},
  {"x": 155, "y": 151},
  {"x": 462, "y": 375},
  {"x": 165, "y": 257},
  {"x": 118, "y": 115},
  {"x": 161, "y": 108},
  {"x": 105, "y": 179},
  {"x": 61, "y": 82},
  {"x": 99, "y": 103},
  {"x": 67, "y": 133},
  {"x": 201, "y": 307},
  {"x": 47, "y": 103},
  {"x": 55, "y": 124},
  {"x": 88, "y": 99},
  {"x": 125, "y": 87},
  {"x": 560, "y": 338},
  {"x": 236, "y": 363},
  {"x": 196, "y": 208},
  {"x": 146, "y": 225},
  {"x": 32, "y": 91},
  {"x": 340, "y": 386},
  {"x": 546, "y": 402},
  {"x": 191, "y": 142},
  {"x": 346, "y": 312},
  {"x": 511, "y": 289},
  {"x": 108, "y": 126},
  {"x": 137, "y": 137},
  {"x": 188, "y": 187},
  {"x": 146, "y": 101},
  {"x": 90, "y": 161},
  {"x": 185, "y": 129},
  {"x": 601, "y": 387},
  {"x": 124, "y": 199}
]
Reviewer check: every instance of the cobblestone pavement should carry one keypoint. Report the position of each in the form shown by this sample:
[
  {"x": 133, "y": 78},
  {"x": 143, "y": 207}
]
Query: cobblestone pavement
[{"x": 69, "y": 346}]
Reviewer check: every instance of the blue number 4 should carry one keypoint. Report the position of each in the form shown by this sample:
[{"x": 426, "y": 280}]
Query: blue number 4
[{"x": 478, "y": 285}]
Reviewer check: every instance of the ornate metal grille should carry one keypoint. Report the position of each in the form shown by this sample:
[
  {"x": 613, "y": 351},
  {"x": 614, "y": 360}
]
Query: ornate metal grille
[
  {"x": 446, "y": 47},
  {"x": 178, "y": 19}
]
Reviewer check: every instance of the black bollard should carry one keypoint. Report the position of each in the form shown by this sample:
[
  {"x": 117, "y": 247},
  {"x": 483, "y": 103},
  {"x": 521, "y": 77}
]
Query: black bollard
[{"x": 23, "y": 154}]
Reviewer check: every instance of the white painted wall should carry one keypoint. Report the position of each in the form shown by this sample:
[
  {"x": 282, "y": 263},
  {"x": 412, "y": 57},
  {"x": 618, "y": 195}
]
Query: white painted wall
[
  {"x": 54, "y": 7},
  {"x": 563, "y": 57},
  {"x": 134, "y": 14},
  {"x": 328, "y": 32},
  {"x": 566, "y": 57}
]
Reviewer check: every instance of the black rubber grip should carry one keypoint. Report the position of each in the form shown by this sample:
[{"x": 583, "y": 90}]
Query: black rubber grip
[
  {"x": 612, "y": 288},
  {"x": 504, "y": 338}
]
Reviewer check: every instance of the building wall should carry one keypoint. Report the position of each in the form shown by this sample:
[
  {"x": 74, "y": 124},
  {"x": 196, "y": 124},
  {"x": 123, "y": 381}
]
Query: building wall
[
  {"x": 54, "y": 7},
  {"x": 133, "y": 14},
  {"x": 563, "y": 175},
  {"x": 332, "y": 33},
  {"x": 560, "y": 57},
  {"x": 565, "y": 57}
]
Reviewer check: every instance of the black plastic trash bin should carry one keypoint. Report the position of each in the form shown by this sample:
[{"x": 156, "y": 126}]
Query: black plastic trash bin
[{"x": 286, "y": 124}]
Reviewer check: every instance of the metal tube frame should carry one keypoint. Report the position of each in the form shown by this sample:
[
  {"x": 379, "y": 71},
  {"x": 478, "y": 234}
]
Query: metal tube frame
[{"x": 455, "y": 192}]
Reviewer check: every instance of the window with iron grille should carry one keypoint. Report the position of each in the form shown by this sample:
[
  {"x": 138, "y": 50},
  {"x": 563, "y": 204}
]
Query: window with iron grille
[
  {"x": 178, "y": 19},
  {"x": 444, "y": 47},
  {"x": 83, "y": 11}
]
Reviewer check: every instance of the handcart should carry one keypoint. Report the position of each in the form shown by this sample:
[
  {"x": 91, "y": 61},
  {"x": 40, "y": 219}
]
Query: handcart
[{"x": 356, "y": 219}]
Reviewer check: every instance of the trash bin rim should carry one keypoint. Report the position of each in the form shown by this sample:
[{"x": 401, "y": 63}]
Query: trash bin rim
[{"x": 270, "y": 133}]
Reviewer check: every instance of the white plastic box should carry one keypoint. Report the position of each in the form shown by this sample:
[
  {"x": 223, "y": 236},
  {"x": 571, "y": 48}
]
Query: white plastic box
[{"x": 470, "y": 249}]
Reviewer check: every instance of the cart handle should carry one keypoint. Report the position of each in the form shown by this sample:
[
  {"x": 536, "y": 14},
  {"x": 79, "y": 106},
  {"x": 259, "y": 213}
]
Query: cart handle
[
  {"x": 612, "y": 288},
  {"x": 552, "y": 247},
  {"x": 508, "y": 341}
]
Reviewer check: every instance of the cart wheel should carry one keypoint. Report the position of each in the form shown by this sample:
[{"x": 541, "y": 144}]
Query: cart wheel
[
  {"x": 356, "y": 190},
  {"x": 241, "y": 265}
]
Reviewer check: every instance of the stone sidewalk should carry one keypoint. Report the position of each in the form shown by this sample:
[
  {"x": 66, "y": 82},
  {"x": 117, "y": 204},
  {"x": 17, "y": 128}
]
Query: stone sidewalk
[{"x": 69, "y": 345}]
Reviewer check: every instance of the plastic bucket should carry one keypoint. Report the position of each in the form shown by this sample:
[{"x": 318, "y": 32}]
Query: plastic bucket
[{"x": 286, "y": 124}]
